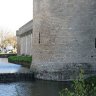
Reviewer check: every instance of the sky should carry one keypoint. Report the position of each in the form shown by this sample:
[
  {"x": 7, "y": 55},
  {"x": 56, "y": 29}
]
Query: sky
[{"x": 15, "y": 13}]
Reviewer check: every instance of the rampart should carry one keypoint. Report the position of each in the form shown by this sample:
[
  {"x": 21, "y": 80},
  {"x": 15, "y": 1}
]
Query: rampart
[
  {"x": 64, "y": 38},
  {"x": 24, "y": 39}
]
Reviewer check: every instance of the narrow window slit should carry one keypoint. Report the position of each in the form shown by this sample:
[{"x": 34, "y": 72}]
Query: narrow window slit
[
  {"x": 39, "y": 37},
  {"x": 95, "y": 42}
]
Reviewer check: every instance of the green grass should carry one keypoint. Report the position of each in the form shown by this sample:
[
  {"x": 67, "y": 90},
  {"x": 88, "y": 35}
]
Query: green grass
[{"x": 23, "y": 60}]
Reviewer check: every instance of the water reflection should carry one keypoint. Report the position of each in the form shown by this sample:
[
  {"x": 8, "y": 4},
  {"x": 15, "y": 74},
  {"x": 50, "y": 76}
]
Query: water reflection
[
  {"x": 9, "y": 68},
  {"x": 47, "y": 88},
  {"x": 37, "y": 88},
  {"x": 13, "y": 89},
  {"x": 6, "y": 67},
  {"x": 4, "y": 60}
]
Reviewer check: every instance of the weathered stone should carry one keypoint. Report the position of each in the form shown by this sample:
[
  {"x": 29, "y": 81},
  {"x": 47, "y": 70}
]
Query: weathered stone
[
  {"x": 24, "y": 39},
  {"x": 63, "y": 35}
]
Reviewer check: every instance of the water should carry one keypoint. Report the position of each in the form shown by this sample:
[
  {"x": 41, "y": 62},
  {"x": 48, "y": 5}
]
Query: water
[
  {"x": 34, "y": 88},
  {"x": 6, "y": 67},
  {"x": 9, "y": 68},
  {"x": 5, "y": 60}
]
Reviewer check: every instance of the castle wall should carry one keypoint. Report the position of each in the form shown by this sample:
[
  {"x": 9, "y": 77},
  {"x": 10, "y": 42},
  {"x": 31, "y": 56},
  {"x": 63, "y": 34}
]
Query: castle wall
[
  {"x": 64, "y": 38},
  {"x": 24, "y": 39},
  {"x": 18, "y": 45}
]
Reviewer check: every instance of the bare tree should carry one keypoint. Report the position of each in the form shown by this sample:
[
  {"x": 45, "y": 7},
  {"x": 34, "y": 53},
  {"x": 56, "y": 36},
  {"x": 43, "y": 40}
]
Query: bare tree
[{"x": 7, "y": 38}]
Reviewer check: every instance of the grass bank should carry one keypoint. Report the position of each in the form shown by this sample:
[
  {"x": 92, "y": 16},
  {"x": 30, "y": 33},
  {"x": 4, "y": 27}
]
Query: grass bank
[{"x": 25, "y": 61}]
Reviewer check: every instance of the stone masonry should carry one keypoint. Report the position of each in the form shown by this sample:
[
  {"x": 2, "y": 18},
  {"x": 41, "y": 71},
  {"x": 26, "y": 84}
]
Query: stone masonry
[
  {"x": 64, "y": 38},
  {"x": 24, "y": 39}
]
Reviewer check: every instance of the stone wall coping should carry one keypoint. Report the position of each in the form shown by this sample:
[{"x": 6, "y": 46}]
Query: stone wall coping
[{"x": 25, "y": 28}]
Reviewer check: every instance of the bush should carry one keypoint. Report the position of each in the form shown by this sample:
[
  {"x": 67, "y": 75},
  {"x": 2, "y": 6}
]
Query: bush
[{"x": 81, "y": 87}]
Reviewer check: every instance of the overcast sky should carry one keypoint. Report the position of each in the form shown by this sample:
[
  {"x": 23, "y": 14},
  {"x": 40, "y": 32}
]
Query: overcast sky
[{"x": 15, "y": 13}]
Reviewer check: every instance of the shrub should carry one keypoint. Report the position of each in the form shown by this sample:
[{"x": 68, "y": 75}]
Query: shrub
[{"x": 81, "y": 87}]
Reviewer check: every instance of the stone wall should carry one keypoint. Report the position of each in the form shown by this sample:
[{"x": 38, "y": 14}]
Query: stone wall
[
  {"x": 24, "y": 39},
  {"x": 64, "y": 38}
]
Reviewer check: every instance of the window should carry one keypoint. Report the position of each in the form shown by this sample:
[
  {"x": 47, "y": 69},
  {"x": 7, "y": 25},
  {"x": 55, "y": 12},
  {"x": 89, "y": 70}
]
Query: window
[
  {"x": 95, "y": 42},
  {"x": 39, "y": 37}
]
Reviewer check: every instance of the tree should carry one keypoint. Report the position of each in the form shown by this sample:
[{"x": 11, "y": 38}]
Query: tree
[
  {"x": 10, "y": 41},
  {"x": 7, "y": 38}
]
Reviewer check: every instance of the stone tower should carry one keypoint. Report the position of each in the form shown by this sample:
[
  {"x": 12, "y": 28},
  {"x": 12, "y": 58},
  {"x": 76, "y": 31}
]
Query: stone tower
[{"x": 64, "y": 38}]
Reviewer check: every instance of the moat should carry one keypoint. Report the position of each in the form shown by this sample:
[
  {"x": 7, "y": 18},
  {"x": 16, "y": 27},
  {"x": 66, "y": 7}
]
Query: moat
[{"x": 25, "y": 88}]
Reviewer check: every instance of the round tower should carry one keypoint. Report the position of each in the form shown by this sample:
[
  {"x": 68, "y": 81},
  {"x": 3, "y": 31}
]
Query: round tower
[{"x": 64, "y": 38}]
